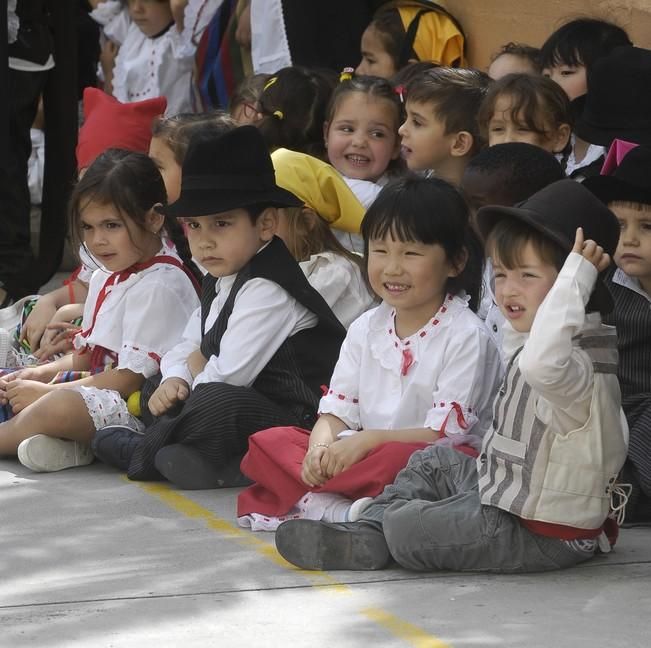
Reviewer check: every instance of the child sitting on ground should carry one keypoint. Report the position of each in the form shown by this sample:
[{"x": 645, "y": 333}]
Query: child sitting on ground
[
  {"x": 526, "y": 108},
  {"x": 260, "y": 346},
  {"x": 407, "y": 31},
  {"x": 43, "y": 323},
  {"x": 440, "y": 132},
  {"x": 627, "y": 192},
  {"x": 418, "y": 369},
  {"x": 138, "y": 304},
  {"x": 540, "y": 492}
]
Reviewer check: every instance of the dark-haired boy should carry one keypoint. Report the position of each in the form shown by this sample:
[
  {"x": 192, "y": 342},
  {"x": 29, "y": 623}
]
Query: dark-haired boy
[
  {"x": 440, "y": 132},
  {"x": 627, "y": 192},
  {"x": 263, "y": 342},
  {"x": 538, "y": 496}
]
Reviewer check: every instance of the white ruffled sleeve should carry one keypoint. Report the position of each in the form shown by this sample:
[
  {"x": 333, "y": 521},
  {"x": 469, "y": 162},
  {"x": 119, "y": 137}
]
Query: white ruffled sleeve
[
  {"x": 114, "y": 19},
  {"x": 157, "y": 317},
  {"x": 342, "y": 397},
  {"x": 466, "y": 385}
]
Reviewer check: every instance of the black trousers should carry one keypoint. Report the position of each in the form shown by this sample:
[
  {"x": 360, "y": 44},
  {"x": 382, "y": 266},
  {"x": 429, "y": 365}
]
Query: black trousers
[
  {"x": 216, "y": 420},
  {"x": 16, "y": 257}
]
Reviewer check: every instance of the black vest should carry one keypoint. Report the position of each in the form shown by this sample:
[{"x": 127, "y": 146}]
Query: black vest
[
  {"x": 305, "y": 361},
  {"x": 632, "y": 320}
]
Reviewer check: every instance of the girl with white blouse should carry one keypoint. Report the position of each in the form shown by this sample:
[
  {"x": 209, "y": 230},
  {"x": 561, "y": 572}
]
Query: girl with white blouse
[
  {"x": 418, "y": 369},
  {"x": 138, "y": 305}
]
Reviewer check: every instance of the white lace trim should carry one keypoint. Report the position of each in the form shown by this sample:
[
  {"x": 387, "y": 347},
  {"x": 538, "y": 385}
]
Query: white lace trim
[
  {"x": 389, "y": 350},
  {"x": 106, "y": 11},
  {"x": 138, "y": 360}
]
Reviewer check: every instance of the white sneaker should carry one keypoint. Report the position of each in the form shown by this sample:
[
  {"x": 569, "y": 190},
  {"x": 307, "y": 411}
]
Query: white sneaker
[
  {"x": 357, "y": 507},
  {"x": 42, "y": 453}
]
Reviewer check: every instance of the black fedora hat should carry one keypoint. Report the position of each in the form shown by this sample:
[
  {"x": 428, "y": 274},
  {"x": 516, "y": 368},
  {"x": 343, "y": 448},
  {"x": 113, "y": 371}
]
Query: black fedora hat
[
  {"x": 618, "y": 102},
  {"x": 630, "y": 181},
  {"x": 556, "y": 212},
  {"x": 228, "y": 171}
]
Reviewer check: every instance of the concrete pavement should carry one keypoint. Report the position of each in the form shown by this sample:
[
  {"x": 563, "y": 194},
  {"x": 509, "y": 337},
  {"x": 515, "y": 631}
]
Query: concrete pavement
[{"x": 88, "y": 558}]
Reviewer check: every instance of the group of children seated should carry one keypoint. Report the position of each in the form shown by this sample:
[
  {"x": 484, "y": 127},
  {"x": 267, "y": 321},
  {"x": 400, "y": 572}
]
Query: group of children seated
[{"x": 383, "y": 309}]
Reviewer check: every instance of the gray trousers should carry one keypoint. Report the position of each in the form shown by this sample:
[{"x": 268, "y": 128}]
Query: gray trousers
[{"x": 432, "y": 519}]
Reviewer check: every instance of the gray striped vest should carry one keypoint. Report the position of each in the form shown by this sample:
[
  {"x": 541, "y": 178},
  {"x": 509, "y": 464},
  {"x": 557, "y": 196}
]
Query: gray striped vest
[{"x": 555, "y": 475}]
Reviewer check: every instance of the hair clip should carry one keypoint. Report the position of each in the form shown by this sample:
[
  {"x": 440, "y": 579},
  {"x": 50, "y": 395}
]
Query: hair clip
[
  {"x": 278, "y": 114},
  {"x": 346, "y": 74},
  {"x": 400, "y": 91},
  {"x": 270, "y": 83}
]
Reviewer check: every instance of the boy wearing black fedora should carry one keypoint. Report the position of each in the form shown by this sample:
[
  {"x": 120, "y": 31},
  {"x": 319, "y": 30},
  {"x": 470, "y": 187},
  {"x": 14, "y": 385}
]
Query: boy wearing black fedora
[
  {"x": 539, "y": 494},
  {"x": 262, "y": 343},
  {"x": 627, "y": 192}
]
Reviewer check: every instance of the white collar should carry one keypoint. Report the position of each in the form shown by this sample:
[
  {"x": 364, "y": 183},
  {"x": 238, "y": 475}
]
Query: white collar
[{"x": 624, "y": 280}]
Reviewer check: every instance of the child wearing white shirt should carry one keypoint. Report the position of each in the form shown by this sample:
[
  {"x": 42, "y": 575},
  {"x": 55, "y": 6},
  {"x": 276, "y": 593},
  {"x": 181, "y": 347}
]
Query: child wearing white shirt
[
  {"x": 418, "y": 369},
  {"x": 155, "y": 57},
  {"x": 261, "y": 344},
  {"x": 138, "y": 304}
]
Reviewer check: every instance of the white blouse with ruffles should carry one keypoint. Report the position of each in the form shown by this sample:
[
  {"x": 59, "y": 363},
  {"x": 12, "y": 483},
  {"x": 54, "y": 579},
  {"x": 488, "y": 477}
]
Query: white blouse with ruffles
[
  {"x": 444, "y": 376},
  {"x": 147, "y": 67},
  {"x": 142, "y": 317}
]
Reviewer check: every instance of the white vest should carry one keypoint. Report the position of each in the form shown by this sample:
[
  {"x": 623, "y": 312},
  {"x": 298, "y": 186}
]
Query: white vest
[{"x": 556, "y": 475}]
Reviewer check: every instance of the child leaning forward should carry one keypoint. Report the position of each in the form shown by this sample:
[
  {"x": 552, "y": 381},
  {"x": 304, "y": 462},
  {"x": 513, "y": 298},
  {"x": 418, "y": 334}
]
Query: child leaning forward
[{"x": 539, "y": 494}]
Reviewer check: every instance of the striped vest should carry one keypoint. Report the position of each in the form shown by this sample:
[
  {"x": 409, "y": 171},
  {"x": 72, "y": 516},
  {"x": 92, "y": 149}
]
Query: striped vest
[{"x": 561, "y": 476}]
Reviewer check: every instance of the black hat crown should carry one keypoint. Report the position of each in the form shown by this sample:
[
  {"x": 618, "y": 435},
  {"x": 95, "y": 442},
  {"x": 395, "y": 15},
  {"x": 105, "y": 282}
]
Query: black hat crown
[
  {"x": 630, "y": 181},
  {"x": 228, "y": 171},
  {"x": 557, "y": 211},
  {"x": 618, "y": 102}
]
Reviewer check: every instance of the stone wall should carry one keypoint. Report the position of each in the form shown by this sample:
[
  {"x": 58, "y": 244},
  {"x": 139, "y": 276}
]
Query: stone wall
[{"x": 491, "y": 23}]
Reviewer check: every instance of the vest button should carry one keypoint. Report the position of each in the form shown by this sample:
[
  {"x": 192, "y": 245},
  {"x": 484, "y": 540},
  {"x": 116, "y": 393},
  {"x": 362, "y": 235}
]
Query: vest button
[
  {"x": 483, "y": 458},
  {"x": 495, "y": 328}
]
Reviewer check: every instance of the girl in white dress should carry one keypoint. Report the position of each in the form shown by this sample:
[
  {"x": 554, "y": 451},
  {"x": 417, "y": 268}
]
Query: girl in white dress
[
  {"x": 137, "y": 307},
  {"x": 418, "y": 369}
]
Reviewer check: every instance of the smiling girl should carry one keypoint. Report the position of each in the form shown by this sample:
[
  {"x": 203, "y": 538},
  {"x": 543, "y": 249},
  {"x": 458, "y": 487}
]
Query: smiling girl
[
  {"x": 137, "y": 307},
  {"x": 418, "y": 369}
]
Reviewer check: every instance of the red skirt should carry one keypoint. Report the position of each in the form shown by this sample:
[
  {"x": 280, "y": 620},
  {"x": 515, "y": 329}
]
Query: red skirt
[{"x": 274, "y": 462}]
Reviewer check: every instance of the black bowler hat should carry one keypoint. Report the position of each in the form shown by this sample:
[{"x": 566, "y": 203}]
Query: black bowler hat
[
  {"x": 228, "y": 171},
  {"x": 618, "y": 102},
  {"x": 629, "y": 182},
  {"x": 556, "y": 212}
]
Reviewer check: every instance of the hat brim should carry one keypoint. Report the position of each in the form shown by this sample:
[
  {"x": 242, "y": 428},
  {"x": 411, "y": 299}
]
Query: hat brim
[
  {"x": 487, "y": 217},
  {"x": 206, "y": 202},
  {"x": 610, "y": 189}
]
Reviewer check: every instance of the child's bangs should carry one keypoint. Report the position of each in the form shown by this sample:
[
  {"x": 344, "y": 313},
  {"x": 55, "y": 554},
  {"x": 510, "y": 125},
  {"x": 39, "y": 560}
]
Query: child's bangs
[{"x": 525, "y": 109}]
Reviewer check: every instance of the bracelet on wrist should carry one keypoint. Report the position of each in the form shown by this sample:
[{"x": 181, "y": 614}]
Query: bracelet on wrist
[{"x": 318, "y": 445}]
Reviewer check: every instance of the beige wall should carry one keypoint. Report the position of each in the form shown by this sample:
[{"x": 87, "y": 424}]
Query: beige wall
[{"x": 491, "y": 23}]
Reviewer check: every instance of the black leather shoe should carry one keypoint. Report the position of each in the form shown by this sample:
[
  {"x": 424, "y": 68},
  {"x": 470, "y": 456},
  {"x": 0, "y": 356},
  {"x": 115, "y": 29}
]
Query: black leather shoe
[
  {"x": 114, "y": 445},
  {"x": 188, "y": 469},
  {"x": 311, "y": 544}
]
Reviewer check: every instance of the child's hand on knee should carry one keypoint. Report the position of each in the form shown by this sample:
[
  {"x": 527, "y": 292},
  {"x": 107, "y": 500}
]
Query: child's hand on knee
[
  {"x": 311, "y": 471},
  {"x": 344, "y": 453},
  {"x": 21, "y": 393},
  {"x": 590, "y": 251},
  {"x": 169, "y": 392}
]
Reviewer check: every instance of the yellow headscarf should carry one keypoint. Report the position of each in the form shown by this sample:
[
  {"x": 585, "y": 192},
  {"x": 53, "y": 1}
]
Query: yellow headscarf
[
  {"x": 437, "y": 37},
  {"x": 320, "y": 187}
]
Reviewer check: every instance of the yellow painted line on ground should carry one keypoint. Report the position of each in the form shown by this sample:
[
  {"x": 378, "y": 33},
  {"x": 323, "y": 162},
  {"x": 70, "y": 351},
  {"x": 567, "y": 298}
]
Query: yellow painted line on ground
[
  {"x": 191, "y": 509},
  {"x": 408, "y": 632},
  {"x": 403, "y": 630}
]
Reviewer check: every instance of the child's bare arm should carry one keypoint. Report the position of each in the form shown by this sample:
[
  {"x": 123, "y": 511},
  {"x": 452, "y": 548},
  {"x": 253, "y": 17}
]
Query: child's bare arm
[{"x": 323, "y": 434}]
